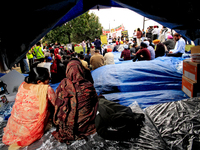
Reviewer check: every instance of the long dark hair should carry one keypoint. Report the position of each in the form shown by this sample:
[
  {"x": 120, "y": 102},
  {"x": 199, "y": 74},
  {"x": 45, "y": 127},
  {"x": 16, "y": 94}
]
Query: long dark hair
[
  {"x": 138, "y": 29},
  {"x": 36, "y": 74}
]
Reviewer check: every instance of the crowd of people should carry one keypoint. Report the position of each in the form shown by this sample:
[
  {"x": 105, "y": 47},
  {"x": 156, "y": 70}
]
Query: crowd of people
[{"x": 72, "y": 109}]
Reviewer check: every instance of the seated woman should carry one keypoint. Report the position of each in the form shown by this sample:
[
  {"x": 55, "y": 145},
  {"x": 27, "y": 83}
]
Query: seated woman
[
  {"x": 30, "y": 112},
  {"x": 76, "y": 104}
]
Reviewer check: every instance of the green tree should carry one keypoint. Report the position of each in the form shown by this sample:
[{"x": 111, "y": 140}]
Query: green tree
[{"x": 84, "y": 27}]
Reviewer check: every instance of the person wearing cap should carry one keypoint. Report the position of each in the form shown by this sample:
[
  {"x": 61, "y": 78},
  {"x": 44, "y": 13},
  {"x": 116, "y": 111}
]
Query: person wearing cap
[
  {"x": 179, "y": 48},
  {"x": 169, "y": 43},
  {"x": 160, "y": 48},
  {"x": 121, "y": 46},
  {"x": 96, "y": 60},
  {"x": 143, "y": 53},
  {"x": 116, "y": 47},
  {"x": 126, "y": 54},
  {"x": 109, "y": 57},
  {"x": 151, "y": 50}
]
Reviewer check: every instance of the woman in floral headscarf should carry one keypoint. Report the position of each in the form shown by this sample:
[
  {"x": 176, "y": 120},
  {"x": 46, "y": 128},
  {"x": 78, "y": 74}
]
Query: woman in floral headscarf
[{"x": 76, "y": 104}]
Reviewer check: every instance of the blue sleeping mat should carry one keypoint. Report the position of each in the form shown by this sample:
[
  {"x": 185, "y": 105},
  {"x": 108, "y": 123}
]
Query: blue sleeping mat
[{"x": 147, "y": 82}]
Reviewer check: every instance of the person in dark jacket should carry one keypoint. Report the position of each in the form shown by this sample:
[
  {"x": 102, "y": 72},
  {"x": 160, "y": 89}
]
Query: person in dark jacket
[
  {"x": 160, "y": 48},
  {"x": 116, "y": 122}
]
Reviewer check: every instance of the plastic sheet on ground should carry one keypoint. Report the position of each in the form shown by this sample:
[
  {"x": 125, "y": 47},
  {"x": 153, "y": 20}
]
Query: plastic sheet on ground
[
  {"x": 149, "y": 138},
  {"x": 145, "y": 80},
  {"x": 178, "y": 123}
]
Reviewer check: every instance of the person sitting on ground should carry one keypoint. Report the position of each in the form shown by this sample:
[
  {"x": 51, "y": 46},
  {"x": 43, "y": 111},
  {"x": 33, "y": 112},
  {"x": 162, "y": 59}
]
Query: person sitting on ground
[
  {"x": 143, "y": 53},
  {"x": 126, "y": 54},
  {"x": 179, "y": 46},
  {"x": 121, "y": 46},
  {"x": 57, "y": 68},
  {"x": 132, "y": 50},
  {"x": 109, "y": 57},
  {"x": 66, "y": 60},
  {"x": 31, "y": 110},
  {"x": 46, "y": 63},
  {"x": 116, "y": 47},
  {"x": 84, "y": 63},
  {"x": 151, "y": 49},
  {"x": 169, "y": 43},
  {"x": 75, "y": 110},
  {"x": 87, "y": 58},
  {"x": 117, "y": 122},
  {"x": 160, "y": 48},
  {"x": 96, "y": 60}
]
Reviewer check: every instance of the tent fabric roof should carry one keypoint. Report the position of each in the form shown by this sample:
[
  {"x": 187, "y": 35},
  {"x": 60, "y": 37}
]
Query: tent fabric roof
[{"x": 26, "y": 22}]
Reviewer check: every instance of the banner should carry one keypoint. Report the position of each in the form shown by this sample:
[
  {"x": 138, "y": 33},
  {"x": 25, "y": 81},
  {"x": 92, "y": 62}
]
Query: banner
[
  {"x": 103, "y": 39},
  {"x": 107, "y": 31},
  {"x": 125, "y": 33}
]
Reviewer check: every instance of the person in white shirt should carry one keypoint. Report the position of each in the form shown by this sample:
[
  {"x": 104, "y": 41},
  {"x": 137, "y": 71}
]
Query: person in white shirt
[
  {"x": 109, "y": 57},
  {"x": 46, "y": 63},
  {"x": 179, "y": 46},
  {"x": 155, "y": 33}
]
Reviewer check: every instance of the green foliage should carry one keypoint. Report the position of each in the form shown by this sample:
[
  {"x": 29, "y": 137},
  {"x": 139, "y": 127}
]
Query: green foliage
[{"x": 84, "y": 27}]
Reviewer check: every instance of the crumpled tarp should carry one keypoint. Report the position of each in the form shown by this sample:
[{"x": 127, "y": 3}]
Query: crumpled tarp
[
  {"x": 168, "y": 126},
  {"x": 178, "y": 123},
  {"x": 147, "y": 82},
  {"x": 149, "y": 138}
]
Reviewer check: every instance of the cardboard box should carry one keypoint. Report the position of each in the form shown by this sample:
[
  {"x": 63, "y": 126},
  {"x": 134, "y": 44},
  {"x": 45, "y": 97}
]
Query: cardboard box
[
  {"x": 189, "y": 87},
  {"x": 191, "y": 70},
  {"x": 195, "y": 49}
]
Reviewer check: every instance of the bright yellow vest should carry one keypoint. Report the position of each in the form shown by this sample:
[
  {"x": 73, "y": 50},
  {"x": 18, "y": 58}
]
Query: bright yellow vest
[
  {"x": 29, "y": 56},
  {"x": 38, "y": 52}
]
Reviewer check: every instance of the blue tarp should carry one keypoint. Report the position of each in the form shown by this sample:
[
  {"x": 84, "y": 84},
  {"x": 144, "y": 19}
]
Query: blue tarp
[{"x": 147, "y": 82}]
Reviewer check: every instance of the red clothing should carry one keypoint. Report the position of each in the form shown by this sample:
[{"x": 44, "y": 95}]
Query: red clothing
[
  {"x": 126, "y": 54},
  {"x": 57, "y": 57},
  {"x": 145, "y": 53},
  {"x": 75, "y": 106}
]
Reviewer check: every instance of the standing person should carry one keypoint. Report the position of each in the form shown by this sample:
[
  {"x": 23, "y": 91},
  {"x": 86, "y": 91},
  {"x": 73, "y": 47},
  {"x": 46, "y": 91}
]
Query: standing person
[
  {"x": 149, "y": 32},
  {"x": 135, "y": 35},
  {"x": 30, "y": 112},
  {"x": 96, "y": 60},
  {"x": 160, "y": 49},
  {"x": 126, "y": 54},
  {"x": 39, "y": 53},
  {"x": 30, "y": 57},
  {"x": 143, "y": 35},
  {"x": 143, "y": 53},
  {"x": 88, "y": 45},
  {"x": 179, "y": 46},
  {"x": 155, "y": 33},
  {"x": 76, "y": 109},
  {"x": 83, "y": 45},
  {"x": 139, "y": 35},
  {"x": 97, "y": 44},
  {"x": 163, "y": 34},
  {"x": 24, "y": 65},
  {"x": 109, "y": 57}
]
